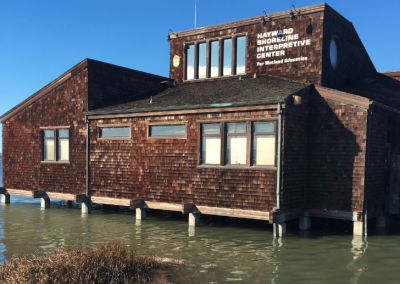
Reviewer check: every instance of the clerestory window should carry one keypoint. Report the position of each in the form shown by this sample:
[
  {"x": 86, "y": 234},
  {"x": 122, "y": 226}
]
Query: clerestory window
[{"x": 215, "y": 58}]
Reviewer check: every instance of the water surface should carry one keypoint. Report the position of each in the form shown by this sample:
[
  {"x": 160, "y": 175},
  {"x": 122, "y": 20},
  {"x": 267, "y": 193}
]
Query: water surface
[{"x": 215, "y": 252}]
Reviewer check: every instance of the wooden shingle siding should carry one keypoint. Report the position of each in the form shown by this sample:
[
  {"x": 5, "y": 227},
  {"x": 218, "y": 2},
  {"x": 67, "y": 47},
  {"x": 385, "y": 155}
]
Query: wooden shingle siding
[
  {"x": 166, "y": 170},
  {"x": 22, "y": 141},
  {"x": 377, "y": 161},
  {"x": 304, "y": 71},
  {"x": 336, "y": 152},
  {"x": 354, "y": 63},
  {"x": 295, "y": 156}
]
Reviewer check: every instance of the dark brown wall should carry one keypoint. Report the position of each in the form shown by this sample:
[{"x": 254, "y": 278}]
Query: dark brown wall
[
  {"x": 22, "y": 167},
  {"x": 336, "y": 153},
  {"x": 110, "y": 84},
  {"x": 308, "y": 27},
  {"x": 295, "y": 156},
  {"x": 354, "y": 62},
  {"x": 377, "y": 140},
  {"x": 166, "y": 170}
]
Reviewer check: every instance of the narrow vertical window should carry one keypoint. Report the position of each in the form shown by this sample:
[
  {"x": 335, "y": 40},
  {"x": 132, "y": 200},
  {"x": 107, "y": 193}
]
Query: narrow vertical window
[
  {"x": 48, "y": 147},
  {"x": 236, "y": 144},
  {"x": 190, "y": 62},
  {"x": 240, "y": 55},
  {"x": 63, "y": 145},
  {"x": 214, "y": 72},
  {"x": 202, "y": 60},
  {"x": 263, "y": 152},
  {"x": 227, "y": 57},
  {"x": 211, "y": 144}
]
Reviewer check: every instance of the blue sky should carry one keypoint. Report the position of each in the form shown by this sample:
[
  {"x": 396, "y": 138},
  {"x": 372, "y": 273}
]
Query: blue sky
[{"x": 40, "y": 40}]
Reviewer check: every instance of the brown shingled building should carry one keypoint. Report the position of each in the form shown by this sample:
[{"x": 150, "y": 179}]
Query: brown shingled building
[{"x": 274, "y": 117}]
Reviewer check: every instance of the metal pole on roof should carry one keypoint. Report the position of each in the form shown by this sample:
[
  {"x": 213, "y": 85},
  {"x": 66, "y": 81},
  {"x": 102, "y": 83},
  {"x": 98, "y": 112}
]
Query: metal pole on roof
[{"x": 195, "y": 12}]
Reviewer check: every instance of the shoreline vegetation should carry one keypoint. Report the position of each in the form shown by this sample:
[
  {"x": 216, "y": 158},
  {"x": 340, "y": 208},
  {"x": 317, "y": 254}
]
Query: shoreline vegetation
[{"x": 108, "y": 263}]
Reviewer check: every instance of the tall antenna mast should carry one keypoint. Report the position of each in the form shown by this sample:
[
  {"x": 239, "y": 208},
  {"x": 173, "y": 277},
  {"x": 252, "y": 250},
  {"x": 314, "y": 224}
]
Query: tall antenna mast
[{"x": 195, "y": 12}]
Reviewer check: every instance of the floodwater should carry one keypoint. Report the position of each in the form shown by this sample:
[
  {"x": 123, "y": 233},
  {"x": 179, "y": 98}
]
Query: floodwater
[{"x": 218, "y": 251}]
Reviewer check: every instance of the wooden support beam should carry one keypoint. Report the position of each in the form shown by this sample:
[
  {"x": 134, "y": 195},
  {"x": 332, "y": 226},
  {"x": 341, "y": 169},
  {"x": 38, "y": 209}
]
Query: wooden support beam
[
  {"x": 12, "y": 191},
  {"x": 280, "y": 217},
  {"x": 189, "y": 208},
  {"x": 3, "y": 190},
  {"x": 351, "y": 216},
  {"x": 137, "y": 203},
  {"x": 111, "y": 201},
  {"x": 56, "y": 195},
  {"x": 238, "y": 213},
  {"x": 164, "y": 206},
  {"x": 81, "y": 198},
  {"x": 39, "y": 194}
]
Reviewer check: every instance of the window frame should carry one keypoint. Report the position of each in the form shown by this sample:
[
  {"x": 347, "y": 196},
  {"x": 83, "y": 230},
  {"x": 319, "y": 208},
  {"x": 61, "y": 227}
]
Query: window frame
[
  {"x": 250, "y": 140},
  {"x": 221, "y": 133},
  {"x": 129, "y": 125},
  {"x": 208, "y": 42},
  {"x": 149, "y": 124},
  {"x": 55, "y": 139}
]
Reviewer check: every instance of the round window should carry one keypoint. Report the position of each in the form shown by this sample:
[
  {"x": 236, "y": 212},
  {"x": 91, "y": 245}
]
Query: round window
[{"x": 334, "y": 52}]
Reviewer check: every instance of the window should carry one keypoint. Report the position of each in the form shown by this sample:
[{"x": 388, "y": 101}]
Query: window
[
  {"x": 240, "y": 55},
  {"x": 167, "y": 131},
  {"x": 214, "y": 69},
  {"x": 114, "y": 131},
  {"x": 334, "y": 51},
  {"x": 202, "y": 60},
  {"x": 248, "y": 143},
  {"x": 227, "y": 57},
  {"x": 236, "y": 144},
  {"x": 214, "y": 58},
  {"x": 190, "y": 62},
  {"x": 263, "y": 144},
  {"x": 55, "y": 145},
  {"x": 211, "y": 141}
]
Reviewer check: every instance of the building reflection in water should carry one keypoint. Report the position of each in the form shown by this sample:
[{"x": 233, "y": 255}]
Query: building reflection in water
[
  {"x": 277, "y": 243},
  {"x": 191, "y": 231},
  {"x": 359, "y": 246},
  {"x": 138, "y": 229}
]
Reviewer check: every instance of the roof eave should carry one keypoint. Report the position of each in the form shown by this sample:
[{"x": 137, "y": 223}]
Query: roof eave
[{"x": 186, "y": 107}]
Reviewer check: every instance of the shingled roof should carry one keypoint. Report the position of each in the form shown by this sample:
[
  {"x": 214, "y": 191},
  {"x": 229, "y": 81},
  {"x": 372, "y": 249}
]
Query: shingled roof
[{"x": 221, "y": 92}]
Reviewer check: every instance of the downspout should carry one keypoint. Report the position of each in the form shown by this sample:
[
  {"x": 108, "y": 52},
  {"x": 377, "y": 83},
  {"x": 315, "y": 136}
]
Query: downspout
[
  {"x": 279, "y": 157},
  {"x": 87, "y": 156},
  {"x": 365, "y": 202}
]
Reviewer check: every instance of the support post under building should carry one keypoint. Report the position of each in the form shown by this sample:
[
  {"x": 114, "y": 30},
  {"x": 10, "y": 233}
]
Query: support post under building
[
  {"x": 5, "y": 198},
  {"x": 358, "y": 228},
  {"x": 381, "y": 221},
  {"x": 194, "y": 219},
  {"x": 305, "y": 223},
  {"x": 279, "y": 229},
  {"x": 141, "y": 214},
  {"x": 86, "y": 207},
  {"x": 45, "y": 203}
]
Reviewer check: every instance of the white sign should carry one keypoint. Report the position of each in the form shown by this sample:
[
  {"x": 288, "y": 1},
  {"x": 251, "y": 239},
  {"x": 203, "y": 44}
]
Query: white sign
[{"x": 272, "y": 46}]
